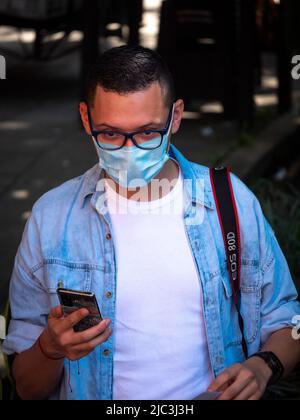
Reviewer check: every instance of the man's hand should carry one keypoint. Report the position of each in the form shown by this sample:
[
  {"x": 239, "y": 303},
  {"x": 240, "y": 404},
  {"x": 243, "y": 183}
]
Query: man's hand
[
  {"x": 247, "y": 381},
  {"x": 60, "y": 340}
]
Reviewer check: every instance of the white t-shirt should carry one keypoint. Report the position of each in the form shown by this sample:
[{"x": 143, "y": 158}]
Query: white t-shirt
[{"x": 161, "y": 348}]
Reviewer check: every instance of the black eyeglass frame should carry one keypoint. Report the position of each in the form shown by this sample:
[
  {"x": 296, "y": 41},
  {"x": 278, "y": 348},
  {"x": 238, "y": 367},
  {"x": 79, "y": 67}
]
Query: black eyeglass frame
[{"x": 96, "y": 133}]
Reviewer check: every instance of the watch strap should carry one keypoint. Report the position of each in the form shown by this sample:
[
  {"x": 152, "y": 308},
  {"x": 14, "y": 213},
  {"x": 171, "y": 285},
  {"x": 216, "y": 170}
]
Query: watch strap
[{"x": 274, "y": 364}]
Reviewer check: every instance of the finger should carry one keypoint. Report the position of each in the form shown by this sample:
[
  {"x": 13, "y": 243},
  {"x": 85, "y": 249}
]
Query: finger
[
  {"x": 225, "y": 377},
  {"x": 248, "y": 392},
  {"x": 256, "y": 397},
  {"x": 71, "y": 320},
  {"x": 242, "y": 381},
  {"x": 91, "y": 333},
  {"x": 87, "y": 348},
  {"x": 56, "y": 312}
]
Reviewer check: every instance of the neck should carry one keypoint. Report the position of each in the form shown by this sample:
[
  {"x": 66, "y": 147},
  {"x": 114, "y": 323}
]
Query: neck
[{"x": 166, "y": 179}]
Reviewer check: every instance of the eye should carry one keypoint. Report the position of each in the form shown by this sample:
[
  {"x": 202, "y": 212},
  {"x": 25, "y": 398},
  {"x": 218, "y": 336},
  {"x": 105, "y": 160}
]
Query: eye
[
  {"x": 146, "y": 135},
  {"x": 109, "y": 135}
]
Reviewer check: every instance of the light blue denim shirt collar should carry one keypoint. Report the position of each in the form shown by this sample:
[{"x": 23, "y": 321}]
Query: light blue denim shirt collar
[{"x": 206, "y": 199}]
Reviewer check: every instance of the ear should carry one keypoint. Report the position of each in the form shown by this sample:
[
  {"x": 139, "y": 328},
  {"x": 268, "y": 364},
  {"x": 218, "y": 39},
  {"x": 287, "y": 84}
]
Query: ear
[
  {"x": 84, "y": 117},
  {"x": 178, "y": 115}
]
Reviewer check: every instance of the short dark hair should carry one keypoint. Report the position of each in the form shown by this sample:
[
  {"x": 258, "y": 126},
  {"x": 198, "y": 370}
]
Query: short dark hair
[{"x": 130, "y": 69}]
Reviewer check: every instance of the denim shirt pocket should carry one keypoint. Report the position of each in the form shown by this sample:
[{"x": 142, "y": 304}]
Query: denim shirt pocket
[
  {"x": 250, "y": 304},
  {"x": 66, "y": 274}
]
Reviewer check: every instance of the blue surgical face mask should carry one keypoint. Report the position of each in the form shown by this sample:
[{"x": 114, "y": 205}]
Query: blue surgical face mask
[{"x": 131, "y": 167}]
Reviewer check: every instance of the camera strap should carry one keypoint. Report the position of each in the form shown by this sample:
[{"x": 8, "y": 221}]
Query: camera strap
[{"x": 229, "y": 222}]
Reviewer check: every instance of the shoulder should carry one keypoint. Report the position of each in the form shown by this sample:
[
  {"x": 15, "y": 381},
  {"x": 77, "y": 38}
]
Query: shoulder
[
  {"x": 252, "y": 221},
  {"x": 58, "y": 199},
  {"x": 66, "y": 194},
  {"x": 242, "y": 193}
]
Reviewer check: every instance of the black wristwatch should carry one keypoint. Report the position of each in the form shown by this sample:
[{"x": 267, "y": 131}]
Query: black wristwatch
[{"x": 274, "y": 364}]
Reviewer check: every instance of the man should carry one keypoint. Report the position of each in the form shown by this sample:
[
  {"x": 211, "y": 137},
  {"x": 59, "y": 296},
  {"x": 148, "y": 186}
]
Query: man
[{"x": 142, "y": 232}]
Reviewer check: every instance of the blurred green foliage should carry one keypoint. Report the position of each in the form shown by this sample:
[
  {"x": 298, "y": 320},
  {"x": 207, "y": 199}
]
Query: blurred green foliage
[{"x": 281, "y": 204}]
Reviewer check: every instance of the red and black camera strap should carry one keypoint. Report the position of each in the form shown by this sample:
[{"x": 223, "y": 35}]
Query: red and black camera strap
[{"x": 229, "y": 222}]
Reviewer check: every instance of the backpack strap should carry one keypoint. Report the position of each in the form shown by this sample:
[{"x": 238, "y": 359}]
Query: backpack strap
[{"x": 229, "y": 222}]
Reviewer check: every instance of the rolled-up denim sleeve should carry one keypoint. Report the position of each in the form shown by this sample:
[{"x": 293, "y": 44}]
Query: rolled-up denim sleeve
[
  {"x": 279, "y": 296},
  {"x": 29, "y": 300}
]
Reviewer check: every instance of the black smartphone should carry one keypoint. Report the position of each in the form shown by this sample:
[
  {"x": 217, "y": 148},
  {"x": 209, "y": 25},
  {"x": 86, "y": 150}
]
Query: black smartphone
[{"x": 73, "y": 300}]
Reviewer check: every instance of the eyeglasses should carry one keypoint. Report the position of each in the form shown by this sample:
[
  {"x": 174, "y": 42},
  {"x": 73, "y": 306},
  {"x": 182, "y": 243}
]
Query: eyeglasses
[{"x": 115, "y": 140}]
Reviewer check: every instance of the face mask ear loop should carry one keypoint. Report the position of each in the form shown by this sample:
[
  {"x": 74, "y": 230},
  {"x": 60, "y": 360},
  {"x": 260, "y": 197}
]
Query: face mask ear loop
[{"x": 170, "y": 129}]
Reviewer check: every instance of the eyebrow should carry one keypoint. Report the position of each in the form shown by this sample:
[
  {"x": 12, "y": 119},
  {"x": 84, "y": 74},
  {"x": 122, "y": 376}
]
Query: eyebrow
[{"x": 109, "y": 127}]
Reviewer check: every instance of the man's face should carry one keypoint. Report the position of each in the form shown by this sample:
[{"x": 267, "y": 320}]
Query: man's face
[{"x": 131, "y": 112}]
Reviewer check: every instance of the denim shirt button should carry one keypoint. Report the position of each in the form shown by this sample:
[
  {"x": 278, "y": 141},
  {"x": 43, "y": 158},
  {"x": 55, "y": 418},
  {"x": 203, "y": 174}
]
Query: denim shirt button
[
  {"x": 106, "y": 352},
  {"x": 108, "y": 236},
  {"x": 108, "y": 295}
]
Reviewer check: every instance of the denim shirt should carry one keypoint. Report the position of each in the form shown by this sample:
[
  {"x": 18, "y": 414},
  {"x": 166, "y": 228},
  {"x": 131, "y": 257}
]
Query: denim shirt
[{"x": 69, "y": 239}]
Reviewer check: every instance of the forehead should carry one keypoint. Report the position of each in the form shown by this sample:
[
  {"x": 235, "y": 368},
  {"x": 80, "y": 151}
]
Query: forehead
[{"x": 132, "y": 108}]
